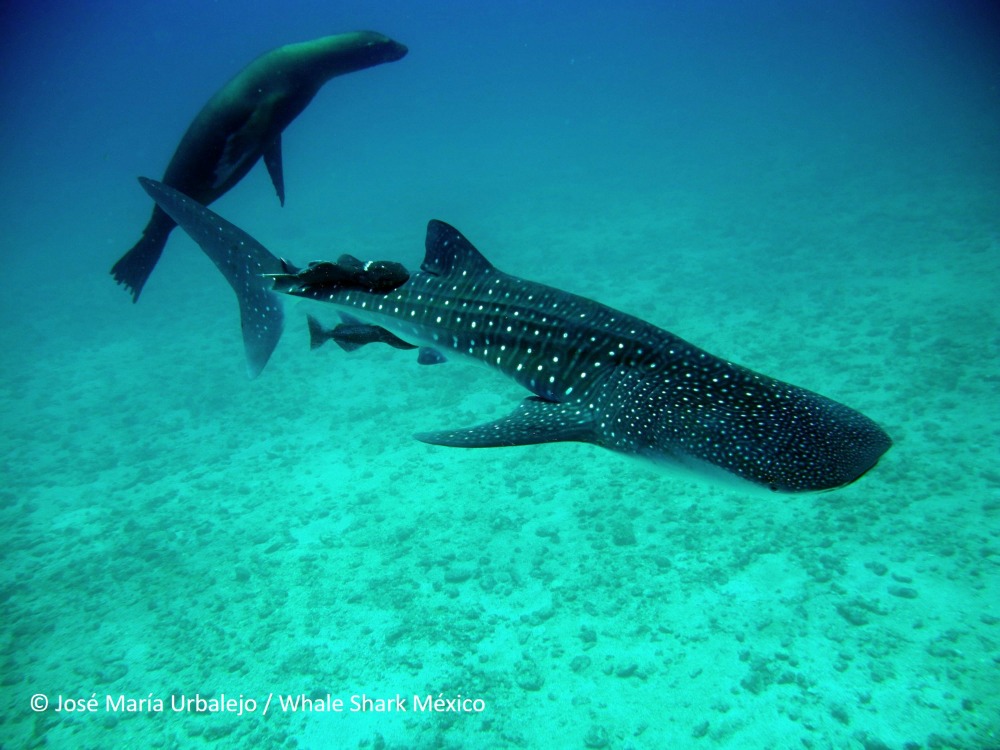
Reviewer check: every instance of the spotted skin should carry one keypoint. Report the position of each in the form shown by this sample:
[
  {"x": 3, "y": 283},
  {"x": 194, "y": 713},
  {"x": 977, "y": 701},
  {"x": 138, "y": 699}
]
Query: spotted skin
[
  {"x": 244, "y": 263},
  {"x": 605, "y": 377},
  {"x": 597, "y": 374}
]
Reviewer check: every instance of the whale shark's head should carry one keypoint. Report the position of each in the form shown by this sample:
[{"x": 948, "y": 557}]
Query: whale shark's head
[
  {"x": 798, "y": 441},
  {"x": 774, "y": 435},
  {"x": 819, "y": 447}
]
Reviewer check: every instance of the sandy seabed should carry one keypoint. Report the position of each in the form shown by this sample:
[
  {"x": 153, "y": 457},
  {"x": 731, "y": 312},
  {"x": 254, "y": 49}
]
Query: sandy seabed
[{"x": 173, "y": 531}]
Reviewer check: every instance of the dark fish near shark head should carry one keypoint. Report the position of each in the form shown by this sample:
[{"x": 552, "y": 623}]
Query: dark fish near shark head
[
  {"x": 598, "y": 375},
  {"x": 347, "y": 273}
]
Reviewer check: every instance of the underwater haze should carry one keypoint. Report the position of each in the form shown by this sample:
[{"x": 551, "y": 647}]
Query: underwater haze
[{"x": 191, "y": 558}]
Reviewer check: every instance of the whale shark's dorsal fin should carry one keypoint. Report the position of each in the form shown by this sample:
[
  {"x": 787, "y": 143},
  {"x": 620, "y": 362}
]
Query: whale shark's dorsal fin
[{"x": 447, "y": 252}]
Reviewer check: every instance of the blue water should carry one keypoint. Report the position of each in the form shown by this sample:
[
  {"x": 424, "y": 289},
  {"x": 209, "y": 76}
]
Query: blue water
[{"x": 810, "y": 189}]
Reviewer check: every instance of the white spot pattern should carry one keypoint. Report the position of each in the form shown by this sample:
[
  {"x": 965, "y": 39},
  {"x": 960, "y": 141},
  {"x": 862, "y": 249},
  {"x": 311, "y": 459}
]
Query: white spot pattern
[{"x": 621, "y": 382}]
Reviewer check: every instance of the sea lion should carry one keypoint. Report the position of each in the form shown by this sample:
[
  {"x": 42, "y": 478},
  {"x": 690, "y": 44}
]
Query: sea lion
[{"x": 242, "y": 122}]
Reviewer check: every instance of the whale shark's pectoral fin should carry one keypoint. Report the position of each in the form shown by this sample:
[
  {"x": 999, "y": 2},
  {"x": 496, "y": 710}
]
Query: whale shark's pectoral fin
[
  {"x": 534, "y": 421},
  {"x": 272, "y": 160},
  {"x": 242, "y": 260}
]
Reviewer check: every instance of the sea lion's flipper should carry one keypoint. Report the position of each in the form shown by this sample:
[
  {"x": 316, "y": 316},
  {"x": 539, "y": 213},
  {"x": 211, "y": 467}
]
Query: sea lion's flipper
[
  {"x": 241, "y": 259},
  {"x": 243, "y": 147},
  {"x": 133, "y": 268},
  {"x": 272, "y": 160}
]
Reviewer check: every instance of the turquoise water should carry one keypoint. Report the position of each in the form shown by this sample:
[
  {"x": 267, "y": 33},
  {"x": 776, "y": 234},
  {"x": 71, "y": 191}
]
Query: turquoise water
[{"x": 810, "y": 190}]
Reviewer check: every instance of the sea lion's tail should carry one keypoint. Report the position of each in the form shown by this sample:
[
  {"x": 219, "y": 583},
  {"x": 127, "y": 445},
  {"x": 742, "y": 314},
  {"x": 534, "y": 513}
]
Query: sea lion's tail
[
  {"x": 134, "y": 267},
  {"x": 242, "y": 261}
]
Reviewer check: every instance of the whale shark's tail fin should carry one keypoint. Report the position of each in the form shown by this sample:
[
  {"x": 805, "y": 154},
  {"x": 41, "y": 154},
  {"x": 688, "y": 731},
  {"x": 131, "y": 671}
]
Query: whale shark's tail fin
[
  {"x": 133, "y": 268},
  {"x": 241, "y": 259}
]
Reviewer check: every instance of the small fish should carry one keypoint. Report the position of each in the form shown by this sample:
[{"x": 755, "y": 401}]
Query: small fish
[{"x": 352, "y": 334}]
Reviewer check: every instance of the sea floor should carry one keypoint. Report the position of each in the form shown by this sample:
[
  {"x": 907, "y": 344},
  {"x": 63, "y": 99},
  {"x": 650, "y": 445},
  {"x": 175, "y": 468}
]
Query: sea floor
[{"x": 172, "y": 529}]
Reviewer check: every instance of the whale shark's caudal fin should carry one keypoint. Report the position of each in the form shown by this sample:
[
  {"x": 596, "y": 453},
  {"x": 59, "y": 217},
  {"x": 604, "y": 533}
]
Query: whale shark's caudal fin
[{"x": 241, "y": 259}]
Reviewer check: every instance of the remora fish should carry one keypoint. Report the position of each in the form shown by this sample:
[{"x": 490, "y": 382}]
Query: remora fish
[
  {"x": 352, "y": 334},
  {"x": 347, "y": 273},
  {"x": 598, "y": 375}
]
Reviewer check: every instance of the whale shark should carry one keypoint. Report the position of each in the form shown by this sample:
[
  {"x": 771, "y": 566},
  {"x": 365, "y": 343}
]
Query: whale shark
[{"x": 596, "y": 375}]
